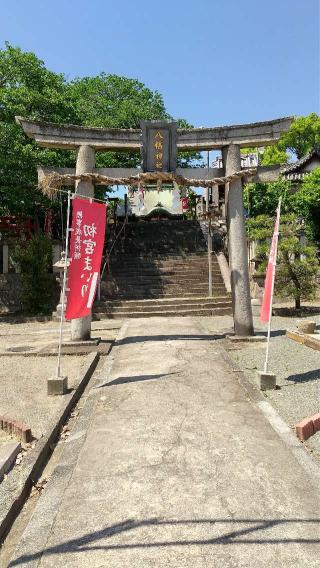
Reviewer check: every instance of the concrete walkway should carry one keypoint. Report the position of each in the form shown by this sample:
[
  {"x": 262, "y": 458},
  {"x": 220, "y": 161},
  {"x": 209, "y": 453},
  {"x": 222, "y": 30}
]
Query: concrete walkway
[{"x": 171, "y": 464}]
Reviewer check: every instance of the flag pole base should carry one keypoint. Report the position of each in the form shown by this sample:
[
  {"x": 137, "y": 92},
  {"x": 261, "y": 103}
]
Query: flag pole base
[
  {"x": 57, "y": 386},
  {"x": 267, "y": 381}
]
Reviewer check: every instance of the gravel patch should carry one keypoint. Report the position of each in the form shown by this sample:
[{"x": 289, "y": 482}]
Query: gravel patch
[
  {"x": 297, "y": 369},
  {"x": 23, "y": 388},
  {"x": 23, "y": 380}
]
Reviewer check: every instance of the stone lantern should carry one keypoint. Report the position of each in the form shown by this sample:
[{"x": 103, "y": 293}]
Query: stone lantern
[{"x": 58, "y": 268}]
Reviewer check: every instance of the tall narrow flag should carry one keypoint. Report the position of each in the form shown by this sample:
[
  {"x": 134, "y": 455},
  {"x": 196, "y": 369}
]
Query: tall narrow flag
[
  {"x": 266, "y": 308},
  {"x": 86, "y": 247}
]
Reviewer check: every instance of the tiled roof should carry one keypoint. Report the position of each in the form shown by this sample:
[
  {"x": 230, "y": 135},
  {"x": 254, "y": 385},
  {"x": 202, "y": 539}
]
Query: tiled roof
[{"x": 300, "y": 163}]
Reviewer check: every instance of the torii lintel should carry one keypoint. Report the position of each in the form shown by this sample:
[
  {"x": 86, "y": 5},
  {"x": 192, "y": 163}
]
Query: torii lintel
[{"x": 52, "y": 135}]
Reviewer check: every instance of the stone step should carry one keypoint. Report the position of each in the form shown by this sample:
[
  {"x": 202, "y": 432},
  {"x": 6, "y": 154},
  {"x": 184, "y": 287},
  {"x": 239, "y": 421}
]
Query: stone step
[
  {"x": 155, "y": 279},
  {"x": 162, "y": 261},
  {"x": 174, "y": 313},
  {"x": 178, "y": 290},
  {"x": 172, "y": 269},
  {"x": 163, "y": 301},
  {"x": 163, "y": 273},
  {"x": 154, "y": 284},
  {"x": 200, "y": 275},
  {"x": 164, "y": 265},
  {"x": 171, "y": 307},
  {"x": 160, "y": 295},
  {"x": 164, "y": 258}
]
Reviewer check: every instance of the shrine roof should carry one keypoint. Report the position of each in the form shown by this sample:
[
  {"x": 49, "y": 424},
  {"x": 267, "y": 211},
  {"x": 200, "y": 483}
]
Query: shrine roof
[{"x": 299, "y": 164}]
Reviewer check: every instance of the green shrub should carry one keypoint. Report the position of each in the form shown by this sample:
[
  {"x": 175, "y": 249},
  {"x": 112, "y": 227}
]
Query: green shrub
[
  {"x": 297, "y": 263},
  {"x": 34, "y": 258}
]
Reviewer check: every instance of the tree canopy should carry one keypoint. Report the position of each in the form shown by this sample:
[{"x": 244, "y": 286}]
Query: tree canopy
[
  {"x": 262, "y": 198},
  {"x": 302, "y": 136},
  {"x": 29, "y": 89},
  {"x": 306, "y": 202}
]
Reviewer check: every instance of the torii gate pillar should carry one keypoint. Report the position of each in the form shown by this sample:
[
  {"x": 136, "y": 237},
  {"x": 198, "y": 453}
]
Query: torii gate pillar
[
  {"x": 81, "y": 327},
  {"x": 238, "y": 254}
]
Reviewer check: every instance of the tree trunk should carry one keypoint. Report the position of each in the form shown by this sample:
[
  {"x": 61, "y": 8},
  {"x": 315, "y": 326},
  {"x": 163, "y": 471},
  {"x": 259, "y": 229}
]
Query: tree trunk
[{"x": 298, "y": 303}]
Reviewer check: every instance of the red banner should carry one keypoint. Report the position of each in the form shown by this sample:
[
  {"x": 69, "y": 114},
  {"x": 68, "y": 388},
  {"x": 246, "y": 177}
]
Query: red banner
[
  {"x": 86, "y": 247},
  {"x": 271, "y": 272}
]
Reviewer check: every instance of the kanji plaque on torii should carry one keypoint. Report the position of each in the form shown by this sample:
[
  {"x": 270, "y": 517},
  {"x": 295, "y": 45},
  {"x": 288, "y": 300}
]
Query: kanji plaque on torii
[{"x": 159, "y": 146}]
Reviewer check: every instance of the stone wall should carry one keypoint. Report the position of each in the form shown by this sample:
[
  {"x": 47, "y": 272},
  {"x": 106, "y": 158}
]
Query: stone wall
[{"x": 10, "y": 289}]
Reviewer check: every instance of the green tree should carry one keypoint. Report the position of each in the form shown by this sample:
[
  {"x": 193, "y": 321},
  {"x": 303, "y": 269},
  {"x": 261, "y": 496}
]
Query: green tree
[
  {"x": 269, "y": 155},
  {"x": 306, "y": 202},
  {"x": 274, "y": 155},
  {"x": 263, "y": 198},
  {"x": 111, "y": 101},
  {"x": 34, "y": 258},
  {"x": 115, "y": 102},
  {"x": 297, "y": 265},
  {"x": 27, "y": 88},
  {"x": 302, "y": 136}
]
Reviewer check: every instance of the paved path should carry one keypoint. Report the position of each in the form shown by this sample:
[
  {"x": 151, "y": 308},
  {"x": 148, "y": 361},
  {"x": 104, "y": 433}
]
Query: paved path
[{"x": 171, "y": 464}]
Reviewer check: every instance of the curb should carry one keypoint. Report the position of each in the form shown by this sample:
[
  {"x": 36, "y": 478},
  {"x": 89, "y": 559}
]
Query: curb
[{"x": 16, "y": 487}]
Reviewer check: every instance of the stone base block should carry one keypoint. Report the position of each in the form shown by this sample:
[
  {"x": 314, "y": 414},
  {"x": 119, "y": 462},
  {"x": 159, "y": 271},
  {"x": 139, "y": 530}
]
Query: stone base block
[
  {"x": 267, "y": 381},
  {"x": 57, "y": 385},
  {"x": 8, "y": 454},
  {"x": 81, "y": 343},
  {"x": 307, "y": 326},
  {"x": 246, "y": 338}
]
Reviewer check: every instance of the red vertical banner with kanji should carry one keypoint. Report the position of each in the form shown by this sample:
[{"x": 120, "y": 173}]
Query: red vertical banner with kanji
[
  {"x": 86, "y": 247},
  {"x": 266, "y": 307}
]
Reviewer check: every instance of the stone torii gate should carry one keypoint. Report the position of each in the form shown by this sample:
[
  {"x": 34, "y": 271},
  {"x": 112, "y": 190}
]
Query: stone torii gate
[{"x": 229, "y": 139}]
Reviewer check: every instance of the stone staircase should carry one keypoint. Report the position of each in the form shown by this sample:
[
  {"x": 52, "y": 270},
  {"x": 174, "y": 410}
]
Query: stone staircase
[{"x": 161, "y": 269}]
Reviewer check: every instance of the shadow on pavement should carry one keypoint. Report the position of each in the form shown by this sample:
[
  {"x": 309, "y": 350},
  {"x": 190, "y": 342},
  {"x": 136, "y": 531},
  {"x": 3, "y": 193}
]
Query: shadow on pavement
[
  {"x": 176, "y": 337},
  {"x": 274, "y": 333},
  {"x": 252, "y": 527},
  {"x": 134, "y": 379}
]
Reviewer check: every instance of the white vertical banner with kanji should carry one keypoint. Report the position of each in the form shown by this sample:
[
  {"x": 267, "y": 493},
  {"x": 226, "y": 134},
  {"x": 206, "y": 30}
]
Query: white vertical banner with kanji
[{"x": 86, "y": 247}]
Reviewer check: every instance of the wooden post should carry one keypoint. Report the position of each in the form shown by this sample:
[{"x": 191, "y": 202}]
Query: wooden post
[{"x": 5, "y": 259}]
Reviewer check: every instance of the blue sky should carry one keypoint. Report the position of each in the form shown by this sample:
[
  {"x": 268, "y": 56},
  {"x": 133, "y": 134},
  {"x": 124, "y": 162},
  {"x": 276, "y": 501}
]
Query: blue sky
[{"x": 215, "y": 62}]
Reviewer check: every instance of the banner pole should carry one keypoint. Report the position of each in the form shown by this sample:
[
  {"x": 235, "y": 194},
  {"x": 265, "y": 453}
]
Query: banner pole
[
  {"x": 65, "y": 269},
  {"x": 209, "y": 259},
  {"x": 272, "y": 288}
]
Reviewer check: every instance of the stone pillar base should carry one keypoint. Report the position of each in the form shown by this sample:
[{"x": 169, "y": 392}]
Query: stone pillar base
[
  {"x": 57, "y": 385},
  {"x": 81, "y": 329},
  {"x": 267, "y": 381},
  {"x": 307, "y": 326}
]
